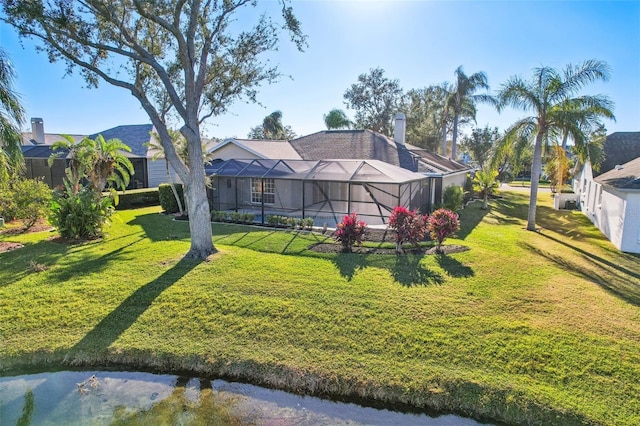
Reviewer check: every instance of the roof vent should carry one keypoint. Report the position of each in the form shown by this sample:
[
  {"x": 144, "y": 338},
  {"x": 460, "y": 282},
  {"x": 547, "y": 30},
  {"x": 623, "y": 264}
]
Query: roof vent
[{"x": 618, "y": 167}]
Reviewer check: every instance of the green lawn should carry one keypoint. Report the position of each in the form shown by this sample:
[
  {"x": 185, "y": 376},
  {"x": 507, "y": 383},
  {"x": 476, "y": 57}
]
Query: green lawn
[{"x": 524, "y": 327}]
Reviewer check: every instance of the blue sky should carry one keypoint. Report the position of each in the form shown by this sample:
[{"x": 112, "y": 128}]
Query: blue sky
[{"x": 418, "y": 42}]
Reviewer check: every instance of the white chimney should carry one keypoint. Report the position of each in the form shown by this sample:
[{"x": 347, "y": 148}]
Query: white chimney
[
  {"x": 400, "y": 128},
  {"x": 37, "y": 130}
]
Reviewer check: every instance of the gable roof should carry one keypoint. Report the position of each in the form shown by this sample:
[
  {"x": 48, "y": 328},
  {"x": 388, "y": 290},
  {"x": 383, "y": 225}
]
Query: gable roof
[
  {"x": 265, "y": 148},
  {"x": 624, "y": 177},
  {"x": 619, "y": 148},
  {"x": 135, "y": 136}
]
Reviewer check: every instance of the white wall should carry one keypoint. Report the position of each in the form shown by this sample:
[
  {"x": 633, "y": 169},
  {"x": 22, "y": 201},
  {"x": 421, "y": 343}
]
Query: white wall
[
  {"x": 454, "y": 179},
  {"x": 232, "y": 152},
  {"x": 608, "y": 214},
  {"x": 631, "y": 238},
  {"x": 157, "y": 171}
]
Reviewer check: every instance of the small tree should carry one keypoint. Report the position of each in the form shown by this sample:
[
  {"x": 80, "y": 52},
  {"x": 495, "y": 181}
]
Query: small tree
[
  {"x": 31, "y": 199},
  {"x": 408, "y": 226},
  {"x": 441, "y": 224},
  {"x": 484, "y": 182},
  {"x": 350, "y": 231}
]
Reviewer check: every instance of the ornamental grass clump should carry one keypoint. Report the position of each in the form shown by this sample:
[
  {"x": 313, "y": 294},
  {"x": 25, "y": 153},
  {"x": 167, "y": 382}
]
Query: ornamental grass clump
[
  {"x": 350, "y": 231},
  {"x": 441, "y": 224},
  {"x": 408, "y": 226}
]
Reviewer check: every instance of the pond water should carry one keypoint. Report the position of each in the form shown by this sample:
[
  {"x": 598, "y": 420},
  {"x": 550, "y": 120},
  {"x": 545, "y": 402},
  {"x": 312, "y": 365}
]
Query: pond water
[{"x": 126, "y": 398}]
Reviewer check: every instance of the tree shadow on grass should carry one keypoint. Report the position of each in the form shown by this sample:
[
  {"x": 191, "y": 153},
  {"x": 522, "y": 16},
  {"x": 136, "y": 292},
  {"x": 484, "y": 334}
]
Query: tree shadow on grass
[
  {"x": 124, "y": 316},
  {"x": 88, "y": 262},
  {"x": 453, "y": 267},
  {"x": 15, "y": 264},
  {"x": 349, "y": 263},
  {"x": 407, "y": 270},
  {"x": 160, "y": 227},
  {"x": 470, "y": 217},
  {"x": 619, "y": 281}
]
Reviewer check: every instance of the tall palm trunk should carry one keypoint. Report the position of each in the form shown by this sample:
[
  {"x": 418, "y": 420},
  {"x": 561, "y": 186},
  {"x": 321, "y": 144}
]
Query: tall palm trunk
[
  {"x": 456, "y": 117},
  {"x": 535, "y": 178},
  {"x": 444, "y": 134}
]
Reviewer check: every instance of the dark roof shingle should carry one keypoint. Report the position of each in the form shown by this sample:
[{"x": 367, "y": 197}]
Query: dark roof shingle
[
  {"x": 626, "y": 176},
  {"x": 619, "y": 148},
  {"x": 133, "y": 135}
]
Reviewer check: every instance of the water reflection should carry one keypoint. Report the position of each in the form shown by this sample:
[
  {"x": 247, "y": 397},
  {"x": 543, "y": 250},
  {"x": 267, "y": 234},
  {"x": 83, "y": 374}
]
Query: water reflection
[{"x": 125, "y": 398}]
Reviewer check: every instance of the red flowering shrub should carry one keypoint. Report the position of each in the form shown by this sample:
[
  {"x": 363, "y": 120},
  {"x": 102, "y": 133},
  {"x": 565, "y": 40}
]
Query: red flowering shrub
[
  {"x": 408, "y": 226},
  {"x": 350, "y": 231},
  {"x": 441, "y": 224}
]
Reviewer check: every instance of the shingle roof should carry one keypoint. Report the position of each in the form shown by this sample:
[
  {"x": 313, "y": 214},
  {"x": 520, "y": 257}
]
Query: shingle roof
[
  {"x": 49, "y": 138},
  {"x": 625, "y": 177},
  {"x": 620, "y": 148},
  {"x": 369, "y": 145},
  {"x": 133, "y": 135},
  {"x": 39, "y": 151}
]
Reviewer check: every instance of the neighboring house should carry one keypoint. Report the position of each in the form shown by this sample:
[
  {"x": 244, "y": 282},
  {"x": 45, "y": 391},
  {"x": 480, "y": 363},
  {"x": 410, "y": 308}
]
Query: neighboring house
[
  {"x": 610, "y": 198},
  {"x": 328, "y": 174},
  {"x": 37, "y": 148}
]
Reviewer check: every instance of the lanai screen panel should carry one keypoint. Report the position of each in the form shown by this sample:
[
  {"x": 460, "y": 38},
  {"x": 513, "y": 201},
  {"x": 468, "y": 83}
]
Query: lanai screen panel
[{"x": 325, "y": 190}]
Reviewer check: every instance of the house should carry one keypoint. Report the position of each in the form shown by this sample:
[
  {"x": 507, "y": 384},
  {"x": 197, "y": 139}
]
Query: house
[
  {"x": 610, "y": 197},
  {"x": 328, "y": 174},
  {"x": 37, "y": 148}
]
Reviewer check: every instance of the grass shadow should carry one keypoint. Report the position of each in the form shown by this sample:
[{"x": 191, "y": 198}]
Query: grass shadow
[
  {"x": 87, "y": 262},
  {"x": 16, "y": 263},
  {"x": 121, "y": 318},
  {"x": 160, "y": 227},
  {"x": 608, "y": 276},
  {"x": 409, "y": 271},
  {"x": 470, "y": 217},
  {"x": 349, "y": 263},
  {"x": 453, "y": 267}
]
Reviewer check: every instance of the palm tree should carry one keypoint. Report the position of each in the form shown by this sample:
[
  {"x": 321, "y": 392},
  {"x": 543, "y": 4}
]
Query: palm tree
[
  {"x": 99, "y": 160},
  {"x": 11, "y": 116},
  {"x": 550, "y": 95},
  {"x": 484, "y": 182},
  {"x": 463, "y": 99},
  {"x": 337, "y": 119}
]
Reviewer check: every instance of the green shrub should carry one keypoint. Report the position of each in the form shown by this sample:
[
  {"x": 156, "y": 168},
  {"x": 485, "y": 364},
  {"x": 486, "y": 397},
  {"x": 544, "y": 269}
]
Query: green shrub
[
  {"x": 168, "y": 200},
  {"x": 32, "y": 198},
  {"x": 453, "y": 197},
  {"x": 248, "y": 217},
  {"x": 80, "y": 215},
  {"x": 136, "y": 198},
  {"x": 307, "y": 223}
]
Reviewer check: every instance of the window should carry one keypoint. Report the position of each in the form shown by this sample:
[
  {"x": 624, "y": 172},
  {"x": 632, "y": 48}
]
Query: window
[{"x": 263, "y": 188}]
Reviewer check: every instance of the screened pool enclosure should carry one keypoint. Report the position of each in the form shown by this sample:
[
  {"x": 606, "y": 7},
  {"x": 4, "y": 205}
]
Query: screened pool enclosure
[{"x": 324, "y": 190}]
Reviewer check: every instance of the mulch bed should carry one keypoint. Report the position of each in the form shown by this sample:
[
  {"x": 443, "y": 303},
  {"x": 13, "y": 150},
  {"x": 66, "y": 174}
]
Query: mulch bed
[{"x": 5, "y": 246}]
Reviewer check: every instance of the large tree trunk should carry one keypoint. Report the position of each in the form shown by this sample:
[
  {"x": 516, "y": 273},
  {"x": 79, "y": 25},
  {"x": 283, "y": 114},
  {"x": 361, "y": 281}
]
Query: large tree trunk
[
  {"x": 535, "y": 178},
  {"x": 199, "y": 218},
  {"x": 196, "y": 192}
]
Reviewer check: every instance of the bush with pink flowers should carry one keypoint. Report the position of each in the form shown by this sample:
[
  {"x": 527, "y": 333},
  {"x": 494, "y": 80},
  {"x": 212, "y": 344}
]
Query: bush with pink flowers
[
  {"x": 408, "y": 226},
  {"x": 441, "y": 224},
  {"x": 350, "y": 231}
]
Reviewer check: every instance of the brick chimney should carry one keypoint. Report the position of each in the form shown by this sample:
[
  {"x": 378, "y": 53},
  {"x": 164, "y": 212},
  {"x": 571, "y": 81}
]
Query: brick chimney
[
  {"x": 37, "y": 130},
  {"x": 400, "y": 128}
]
